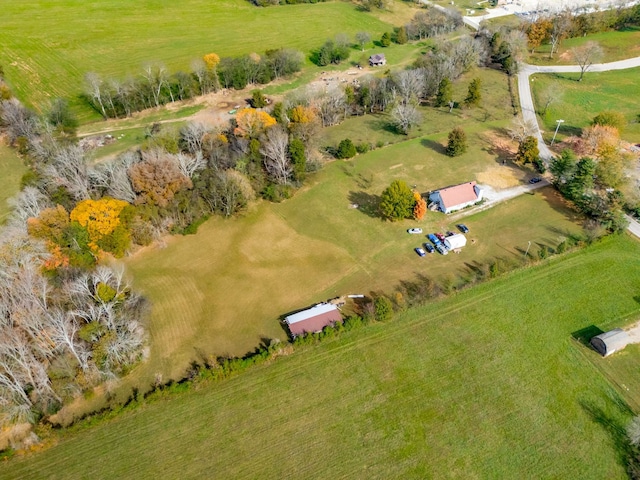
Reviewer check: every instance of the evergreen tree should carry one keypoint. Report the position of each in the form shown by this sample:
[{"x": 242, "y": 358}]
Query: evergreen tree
[
  {"x": 474, "y": 95},
  {"x": 401, "y": 36},
  {"x": 385, "y": 41},
  {"x": 457, "y": 142},
  {"x": 445, "y": 93}
]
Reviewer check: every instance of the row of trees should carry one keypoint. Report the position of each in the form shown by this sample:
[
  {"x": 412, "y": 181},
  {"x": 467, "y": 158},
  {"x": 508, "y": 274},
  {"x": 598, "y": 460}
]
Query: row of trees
[
  {"x": 155, "y": 86},
  {"x": 566, "y": 24}
]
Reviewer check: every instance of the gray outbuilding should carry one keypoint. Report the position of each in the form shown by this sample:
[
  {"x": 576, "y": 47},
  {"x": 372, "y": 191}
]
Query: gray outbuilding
[{"x": 610, "y": 342}]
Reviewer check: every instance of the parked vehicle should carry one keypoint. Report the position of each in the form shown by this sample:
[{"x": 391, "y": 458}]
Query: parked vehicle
[
  {"x": 414, "y": 230},
  {"x": 435, "y": 240},
  {"x": 440, "y": 236},
  {"x": 442, "y": 249},
  {"x": 429, "y": 248},
  {"x": 463, "y": 228},
  {"x": 535, "y": 180},
  {"x": 419, "y": 251},
  {"x": 449, "y": 233}
]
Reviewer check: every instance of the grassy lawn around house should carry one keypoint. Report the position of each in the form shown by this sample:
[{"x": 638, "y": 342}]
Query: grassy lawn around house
[
  {"x": 581, "y": 101},
  {"x": 11, "y": 171},
  {"x": 616, "y": 45},
  {"x": 488, "y": 383},
  {"x": 43, "y": 60}
]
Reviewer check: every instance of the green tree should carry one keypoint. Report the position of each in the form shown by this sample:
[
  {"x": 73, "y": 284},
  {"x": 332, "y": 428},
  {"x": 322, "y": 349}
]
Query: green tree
[
  {"x": 258, "y": 100},
  {"x": 528, "y": 151},
  {"x": 401, "y": 36},
  {"x": 474, "y": 95},
  {"x": 298, "y": 158},
  {"x": 445, "y": 93},
  {"x": 397, "y": 201},
  {"x": 383, "y": 308},
  {"x": 457, "y": 144},
  {"x": 62, "y": 118},
  {"x": 385, "y": 40},
  {"x": 610, "y": 118},
  {"x": 346, "y": 149}
]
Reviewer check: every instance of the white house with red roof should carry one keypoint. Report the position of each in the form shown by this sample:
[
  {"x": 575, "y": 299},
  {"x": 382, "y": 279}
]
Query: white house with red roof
[{"x": 456, "y": 197}]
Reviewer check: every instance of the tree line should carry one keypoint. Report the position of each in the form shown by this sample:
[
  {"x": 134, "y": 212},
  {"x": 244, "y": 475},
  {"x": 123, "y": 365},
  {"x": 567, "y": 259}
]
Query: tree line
[{"x": 155, "y": 86}]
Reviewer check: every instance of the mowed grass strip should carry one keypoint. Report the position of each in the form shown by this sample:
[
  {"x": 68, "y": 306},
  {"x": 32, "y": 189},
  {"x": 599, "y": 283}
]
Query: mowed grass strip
[
  {"x": 579, "y": 102},
  {"x": 486, "y": 384},
  {"x": 12, "y": 169},
  {"x": 44, "y": 59}
]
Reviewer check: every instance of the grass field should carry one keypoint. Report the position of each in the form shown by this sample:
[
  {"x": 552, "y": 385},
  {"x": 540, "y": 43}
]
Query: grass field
[
  {"x": 493, "y": 114},
  {"x": 43, "y": 60},
  {"x": 486, "y": 384},
  {"x": 12, "y": 170},
  {"x": 616, "y": 45},
  {"x": 221, "y": 291},
  {"x": 581, "y": 101}
]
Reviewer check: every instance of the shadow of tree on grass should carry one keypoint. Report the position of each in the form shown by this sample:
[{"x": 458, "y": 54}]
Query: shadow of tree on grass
[{"x": 367, "y": 203}]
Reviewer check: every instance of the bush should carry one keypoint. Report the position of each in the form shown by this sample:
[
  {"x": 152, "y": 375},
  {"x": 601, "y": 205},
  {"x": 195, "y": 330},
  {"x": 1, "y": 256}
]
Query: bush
[
  {"x": 385, "y": 40},
  {"x": 383, "y": 309},
  {"x": 363, "y": 147},
  {"x": 346, "y": 149},
  {"x": 258, "y": 100}
]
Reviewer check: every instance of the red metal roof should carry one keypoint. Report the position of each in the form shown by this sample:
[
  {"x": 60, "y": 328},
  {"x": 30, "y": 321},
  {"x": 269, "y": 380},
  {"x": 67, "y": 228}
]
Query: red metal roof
[
  {"x": 458, "y": 194},
  {"x": 315, "y": 323}
]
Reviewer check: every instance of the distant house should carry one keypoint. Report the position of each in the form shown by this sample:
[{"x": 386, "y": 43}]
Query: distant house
[
  {"x": 453, "y": 242},
  {"x": 377, "y": 60},
  {"x": 610, "y": 342},
  {"x": 456, "y": 197},
  {"x": 313, "y": 319}
]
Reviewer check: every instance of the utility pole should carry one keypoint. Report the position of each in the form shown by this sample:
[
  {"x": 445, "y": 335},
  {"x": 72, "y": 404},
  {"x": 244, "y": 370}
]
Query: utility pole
[{"x": 556, "y": 132}]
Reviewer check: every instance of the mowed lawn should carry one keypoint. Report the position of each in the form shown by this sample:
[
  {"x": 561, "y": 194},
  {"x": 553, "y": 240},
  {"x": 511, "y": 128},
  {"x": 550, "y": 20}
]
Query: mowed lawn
[
  {"x": 486, "y": 384},
  {"x": 579, "y": 102},
  {"x": 223, "y": 290},
  {"x": 11, "y": 170},
  {"x": 46, "y": 48}
]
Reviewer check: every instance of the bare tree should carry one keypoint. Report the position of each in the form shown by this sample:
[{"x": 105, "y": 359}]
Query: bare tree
[
  {"x": 68, "y": 169},
  {"x": 28, "y": 203},
  {"x": 192, "y": 136},
  {"x": 405, "y": 115},
  {"x": 113, "y": 177},
  {"x": 549, "y": 95},
  {"x": 521, "y": 128},
  {"x": 156, "y": 77},
  {"x": 586, "y": 55},
  {"x": 407, "y": 86},
  {"x": 20, "y": 121},
  {"x": 190, "y": 164},
  {"x": 362, "y": 38},
  {"x": 64, "y": 329},
  {"x": 94, "y": 90},
  {"x": 274, "y": 148},
  {"x": 561, "y": 24}
]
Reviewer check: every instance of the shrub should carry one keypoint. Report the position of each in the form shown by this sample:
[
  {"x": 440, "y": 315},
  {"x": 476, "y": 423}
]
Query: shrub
[
  {"x": 383, "y": 309},
  {"x": 385, "y": 40},
  {"x": 346, "y": 149}
]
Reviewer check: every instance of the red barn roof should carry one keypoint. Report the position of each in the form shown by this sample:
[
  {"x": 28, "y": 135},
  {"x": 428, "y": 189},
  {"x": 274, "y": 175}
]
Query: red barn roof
[
  {"x": 458, "y": 194},
  {"x": 313, "y": 319}
]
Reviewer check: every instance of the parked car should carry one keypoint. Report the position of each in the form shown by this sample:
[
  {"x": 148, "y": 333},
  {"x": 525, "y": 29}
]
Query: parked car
[
  {"x": 440, "y": 236},
  {"x": 442, "y": 249},
  {"x": 419, "y": 251},
  {"x": 463, "y": 228},
  {"x": 535, "y": 180},
  {"x": 449, "y": 233},
  {"x": 429, "y": 248},
  {"x": 414, "y": 230},
  {"x": 435, "y": 240}
]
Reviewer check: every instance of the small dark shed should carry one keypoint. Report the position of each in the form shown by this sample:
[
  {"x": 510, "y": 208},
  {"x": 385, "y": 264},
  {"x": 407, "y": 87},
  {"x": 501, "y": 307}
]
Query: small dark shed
[
  {"x": 610, "y": 342},
  {"x": 377, "y": 60}
]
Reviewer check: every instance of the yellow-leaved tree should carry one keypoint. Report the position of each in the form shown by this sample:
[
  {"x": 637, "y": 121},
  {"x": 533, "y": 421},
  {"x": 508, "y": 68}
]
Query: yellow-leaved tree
[
  {"x": 211, "y": 60},
  {"x": 102, "y": 219},
  {"x": 252, "y": 122}
]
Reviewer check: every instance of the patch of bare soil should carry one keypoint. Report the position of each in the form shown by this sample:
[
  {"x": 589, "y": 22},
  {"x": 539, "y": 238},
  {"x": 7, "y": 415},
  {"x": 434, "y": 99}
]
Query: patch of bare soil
[{"x": 501, "y": 176}]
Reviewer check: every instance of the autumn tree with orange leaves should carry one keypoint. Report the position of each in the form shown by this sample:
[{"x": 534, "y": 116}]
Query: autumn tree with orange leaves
[
  {"x": 157, "y": 180},
  {"x": 420, "y": 208}
]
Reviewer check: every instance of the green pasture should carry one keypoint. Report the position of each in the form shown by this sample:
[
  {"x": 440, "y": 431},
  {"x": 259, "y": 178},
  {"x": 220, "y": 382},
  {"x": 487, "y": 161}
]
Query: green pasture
[
  {"x": 44, "y": 59},
  {"x": 12, "y": 169},
  {"x": 581, "y": 101},
  {"x": 489, "y": 383},
  {"x": 616, "y": 45}
]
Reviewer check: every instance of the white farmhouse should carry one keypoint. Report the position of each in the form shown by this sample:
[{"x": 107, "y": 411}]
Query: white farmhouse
[{"x": 456, "y": 197}]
